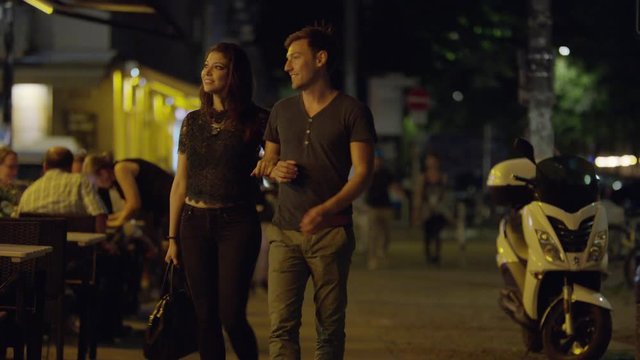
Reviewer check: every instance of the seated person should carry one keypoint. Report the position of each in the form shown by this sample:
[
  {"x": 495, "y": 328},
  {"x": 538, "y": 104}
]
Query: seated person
[
  {"x": 59, "y": 191},
  {"x": 78, "y": 160},
  {"x": 10, "y": 188},
  {"x": 8, "y": 165}
]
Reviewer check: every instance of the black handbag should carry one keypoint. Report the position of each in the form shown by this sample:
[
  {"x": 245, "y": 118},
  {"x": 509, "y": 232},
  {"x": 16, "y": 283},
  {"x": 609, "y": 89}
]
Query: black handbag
[{"x": 171, "y": 329}]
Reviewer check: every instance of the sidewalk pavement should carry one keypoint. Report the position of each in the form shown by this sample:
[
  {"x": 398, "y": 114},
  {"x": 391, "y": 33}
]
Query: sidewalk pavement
[{"x": 414, "y": 311}]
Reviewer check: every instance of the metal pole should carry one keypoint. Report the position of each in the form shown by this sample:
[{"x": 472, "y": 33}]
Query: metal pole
[
  {"x": 351, "y": 47},
  {"x": 7, "y": 76}
]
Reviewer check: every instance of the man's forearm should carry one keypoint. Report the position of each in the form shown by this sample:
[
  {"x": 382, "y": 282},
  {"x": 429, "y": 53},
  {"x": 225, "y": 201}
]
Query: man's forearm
[{"x": 348, "y": 194}]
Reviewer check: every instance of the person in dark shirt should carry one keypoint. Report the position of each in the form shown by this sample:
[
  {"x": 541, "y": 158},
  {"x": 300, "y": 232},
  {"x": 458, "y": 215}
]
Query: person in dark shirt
[
  {"x": 145, "y": 188},
  {"x": 312, "y": 141},
  {"x": 214, "y": 229},
  {"x": 142, "y": 184},
  {"x": 432, "y": 205},
  {"x": 379, "y": 213}
]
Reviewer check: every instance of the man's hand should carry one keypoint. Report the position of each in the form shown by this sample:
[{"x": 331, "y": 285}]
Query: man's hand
[
  {"x": 263, "y": 168},
  {"x": 284, "y": 171},
  {"x": 313, "y": 220}
]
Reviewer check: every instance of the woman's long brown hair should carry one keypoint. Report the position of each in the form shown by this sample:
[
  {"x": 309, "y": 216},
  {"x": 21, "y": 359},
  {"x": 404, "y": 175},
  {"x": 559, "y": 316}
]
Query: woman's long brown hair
[{"x": 239, "y": 90}]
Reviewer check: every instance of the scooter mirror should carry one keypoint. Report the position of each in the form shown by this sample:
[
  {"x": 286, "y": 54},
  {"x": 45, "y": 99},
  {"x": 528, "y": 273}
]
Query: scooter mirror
[{"x": 524, "y": 148}]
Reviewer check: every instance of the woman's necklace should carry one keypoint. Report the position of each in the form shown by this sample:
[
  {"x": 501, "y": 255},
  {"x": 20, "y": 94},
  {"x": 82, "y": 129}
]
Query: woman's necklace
[{"x": 219, "y": 118}]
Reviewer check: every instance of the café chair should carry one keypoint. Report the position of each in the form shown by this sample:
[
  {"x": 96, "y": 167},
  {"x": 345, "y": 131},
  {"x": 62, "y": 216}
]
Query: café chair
[
  {"x": 43, "y": 283},
  {"x": 79, "y": 273}
]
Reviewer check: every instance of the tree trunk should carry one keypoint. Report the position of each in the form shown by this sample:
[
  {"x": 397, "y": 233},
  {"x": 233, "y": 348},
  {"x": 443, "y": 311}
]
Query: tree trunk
[
  {"x": 540, "y": 76},
  {"x": 6, "y": 19}
]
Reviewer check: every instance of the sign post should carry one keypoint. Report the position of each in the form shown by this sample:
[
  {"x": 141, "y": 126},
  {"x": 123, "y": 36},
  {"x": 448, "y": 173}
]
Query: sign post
[{"x": 418, "y": 104}]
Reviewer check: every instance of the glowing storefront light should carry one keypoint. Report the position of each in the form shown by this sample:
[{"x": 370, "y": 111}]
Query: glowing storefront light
[
  {"x": 150, "y": 113},
  {"x": 32, "y": 111},
  {"x": 616, "y": 161}
]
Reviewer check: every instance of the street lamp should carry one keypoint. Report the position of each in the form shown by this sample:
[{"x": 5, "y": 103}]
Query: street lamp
[{"x": 41, "y": 5}]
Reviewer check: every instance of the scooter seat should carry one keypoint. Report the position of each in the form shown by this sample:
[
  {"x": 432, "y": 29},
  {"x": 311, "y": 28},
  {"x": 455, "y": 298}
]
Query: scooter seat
[{"x": 515, "y": 236}]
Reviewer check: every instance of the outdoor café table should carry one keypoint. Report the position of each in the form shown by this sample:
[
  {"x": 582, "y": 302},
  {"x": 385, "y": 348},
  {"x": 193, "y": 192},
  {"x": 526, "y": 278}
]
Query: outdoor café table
[
  {"x": 86, "y": 243},
  {"x": 18, "y": 254},
  {"x": 85, "y": 239}
]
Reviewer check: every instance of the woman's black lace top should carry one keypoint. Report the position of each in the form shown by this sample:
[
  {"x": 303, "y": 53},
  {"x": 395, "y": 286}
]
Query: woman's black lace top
[{"x": 220, "y": 159}]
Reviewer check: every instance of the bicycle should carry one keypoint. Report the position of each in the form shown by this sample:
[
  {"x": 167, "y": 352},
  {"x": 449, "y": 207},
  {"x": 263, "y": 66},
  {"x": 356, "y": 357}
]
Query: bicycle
[{"x": 624, "y": 248}]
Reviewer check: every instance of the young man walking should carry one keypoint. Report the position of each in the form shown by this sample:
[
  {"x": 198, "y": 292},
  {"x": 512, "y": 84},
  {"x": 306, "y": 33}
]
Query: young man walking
[{"x": 312, "y": 141}]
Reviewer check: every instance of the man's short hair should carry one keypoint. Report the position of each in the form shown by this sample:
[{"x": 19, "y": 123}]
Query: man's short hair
[
  {"x": 59, "y": 158},
  {"x": 320, "y": 38}
]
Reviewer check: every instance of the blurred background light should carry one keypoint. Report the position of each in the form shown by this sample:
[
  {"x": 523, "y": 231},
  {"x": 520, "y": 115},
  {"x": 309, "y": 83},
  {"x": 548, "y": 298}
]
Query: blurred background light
[
  {"x": 617, "y": 185},
  {"x": 616, "y": 161},
  {"x": 564, "y": 50}
]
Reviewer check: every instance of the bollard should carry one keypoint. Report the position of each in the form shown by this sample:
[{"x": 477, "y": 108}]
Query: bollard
[
  {"x": 461, "y": 211},
  {"x": 637, "y": 295}
]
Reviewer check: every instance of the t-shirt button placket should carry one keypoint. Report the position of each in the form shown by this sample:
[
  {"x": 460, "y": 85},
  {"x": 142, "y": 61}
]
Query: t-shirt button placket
[{"x": 308, "y": 132}]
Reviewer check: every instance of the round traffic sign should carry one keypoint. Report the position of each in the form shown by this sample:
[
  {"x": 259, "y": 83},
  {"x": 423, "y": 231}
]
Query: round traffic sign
[{"x": 417, "y": 99}]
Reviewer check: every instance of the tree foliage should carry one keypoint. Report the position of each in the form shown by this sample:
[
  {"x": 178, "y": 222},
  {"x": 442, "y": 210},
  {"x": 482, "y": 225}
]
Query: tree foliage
[{"x": 472, "y": 47}]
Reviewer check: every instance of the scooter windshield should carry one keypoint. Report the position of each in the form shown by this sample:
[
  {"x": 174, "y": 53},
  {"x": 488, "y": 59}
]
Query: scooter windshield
[{"x": 567, "y": 182}]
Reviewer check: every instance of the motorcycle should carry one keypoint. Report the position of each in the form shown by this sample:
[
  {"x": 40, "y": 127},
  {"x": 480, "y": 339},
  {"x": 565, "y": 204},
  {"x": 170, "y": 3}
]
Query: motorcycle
[{"x": 552, "y": 253}]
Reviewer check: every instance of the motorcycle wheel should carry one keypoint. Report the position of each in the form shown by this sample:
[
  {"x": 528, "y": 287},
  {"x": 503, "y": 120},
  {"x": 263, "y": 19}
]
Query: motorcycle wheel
[{"x": 592, "y": 332}]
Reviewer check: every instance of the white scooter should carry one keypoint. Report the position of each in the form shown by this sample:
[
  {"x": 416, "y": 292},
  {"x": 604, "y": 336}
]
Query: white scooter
[{"x": 552, "y": 252}]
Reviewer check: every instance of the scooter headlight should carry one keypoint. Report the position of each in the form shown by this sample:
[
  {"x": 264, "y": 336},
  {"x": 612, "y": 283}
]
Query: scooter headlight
[
  {"x": 598, "y": 247},
  {"x": 549, "y": 249}
]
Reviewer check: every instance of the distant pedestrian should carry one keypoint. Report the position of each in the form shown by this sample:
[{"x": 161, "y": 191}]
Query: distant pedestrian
[
  {"x": 431, "y": 206},
  {"x": 266, "y": 207},
  {"x": 312, "y": 140},
  {"x": 379, "y": 213}
]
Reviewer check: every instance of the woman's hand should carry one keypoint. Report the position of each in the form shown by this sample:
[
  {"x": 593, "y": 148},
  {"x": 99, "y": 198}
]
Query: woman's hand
[
  {"x": 172, "y": 253},
  {"x": 263, "y": 168}
]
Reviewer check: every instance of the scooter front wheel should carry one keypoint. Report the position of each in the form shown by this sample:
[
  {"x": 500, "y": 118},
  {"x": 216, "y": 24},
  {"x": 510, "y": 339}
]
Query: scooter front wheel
[
  {"x": 532, "y": 339},
  {"x": 591, "y": 332}
]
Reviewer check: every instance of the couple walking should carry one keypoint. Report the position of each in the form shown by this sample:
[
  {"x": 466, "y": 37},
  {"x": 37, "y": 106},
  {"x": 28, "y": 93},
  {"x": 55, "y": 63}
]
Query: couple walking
[{"x": 311, "y": 141}]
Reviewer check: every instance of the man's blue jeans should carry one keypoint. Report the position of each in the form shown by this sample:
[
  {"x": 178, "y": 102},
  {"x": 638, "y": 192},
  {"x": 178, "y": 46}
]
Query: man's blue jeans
[{"x": 293, "y": 257}]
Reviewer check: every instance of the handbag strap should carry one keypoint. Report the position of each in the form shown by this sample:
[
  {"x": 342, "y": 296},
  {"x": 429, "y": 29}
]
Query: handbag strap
[
  {"x": 168, "y": 278},
  {"x": 168, "y": 275}
]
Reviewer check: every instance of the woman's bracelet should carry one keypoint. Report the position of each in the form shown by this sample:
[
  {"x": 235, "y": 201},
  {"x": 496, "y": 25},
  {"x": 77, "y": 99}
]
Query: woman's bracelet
[{"x": 168, "y": 237}]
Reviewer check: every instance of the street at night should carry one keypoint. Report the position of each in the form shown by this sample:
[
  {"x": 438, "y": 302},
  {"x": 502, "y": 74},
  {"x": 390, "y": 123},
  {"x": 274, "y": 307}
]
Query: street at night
[
  {"x": 415, "y": 311},
  {"x": 138, "y": 137}
]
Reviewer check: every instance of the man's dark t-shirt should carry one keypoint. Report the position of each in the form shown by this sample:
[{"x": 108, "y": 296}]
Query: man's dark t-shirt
[{"x": 320, "y": 146}]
